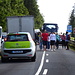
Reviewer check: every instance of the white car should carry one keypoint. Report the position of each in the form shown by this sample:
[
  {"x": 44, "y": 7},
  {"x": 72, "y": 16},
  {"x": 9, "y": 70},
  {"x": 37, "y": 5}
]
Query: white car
[{"x": 18, "y": 45}]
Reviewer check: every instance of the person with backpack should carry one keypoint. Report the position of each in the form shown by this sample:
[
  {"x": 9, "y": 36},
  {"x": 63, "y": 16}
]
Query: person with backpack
[{"x": 67, "y": 40}]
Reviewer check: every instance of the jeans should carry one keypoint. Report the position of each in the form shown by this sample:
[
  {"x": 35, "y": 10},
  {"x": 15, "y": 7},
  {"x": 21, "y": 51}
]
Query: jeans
[
  {"x": 40, "y": 44},
  {"x": 48, "y": 44},
  {"x": 57, "y": 44}
]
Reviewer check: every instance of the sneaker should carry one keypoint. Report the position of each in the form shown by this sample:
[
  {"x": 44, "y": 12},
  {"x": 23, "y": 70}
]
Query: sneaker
[
  {"x": 48, "y": 49},
  {"x": 41, "y": 49},
  {"x": 54, "y": 50},
  {"x": 51, "y": 49}
]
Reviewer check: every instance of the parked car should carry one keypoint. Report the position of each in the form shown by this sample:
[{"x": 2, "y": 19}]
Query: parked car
[{"x": 18, "y": 45}]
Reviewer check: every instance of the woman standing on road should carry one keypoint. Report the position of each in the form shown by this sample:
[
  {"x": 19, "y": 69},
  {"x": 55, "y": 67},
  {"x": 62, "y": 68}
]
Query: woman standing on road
[
  {"x": 57, "y": 40},
  {"x": 52, "y": 41},
  {"x": 63, "y": 40}
]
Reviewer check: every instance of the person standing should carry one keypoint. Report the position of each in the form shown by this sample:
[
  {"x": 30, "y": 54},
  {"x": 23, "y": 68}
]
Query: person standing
[
  {"x": 40, "y": 41},
  {"x": 67, "y": 40},
  {"x": 48, "y": 42},
  {"x": 44, "y": 39},
  {"x": 52, "y": 41},
  {"x": 57, "y": 40},
  {"x": 63, "y": 40}
]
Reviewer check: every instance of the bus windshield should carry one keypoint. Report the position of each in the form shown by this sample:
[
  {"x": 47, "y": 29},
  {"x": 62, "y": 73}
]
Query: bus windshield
[{"x": 50, "y": 27}]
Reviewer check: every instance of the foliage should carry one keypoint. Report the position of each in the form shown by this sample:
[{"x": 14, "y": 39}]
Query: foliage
[
  {"x": 33, "y": 10},
  {"x": 72, "y": 21},
  {"x": 18, "y": 8}
]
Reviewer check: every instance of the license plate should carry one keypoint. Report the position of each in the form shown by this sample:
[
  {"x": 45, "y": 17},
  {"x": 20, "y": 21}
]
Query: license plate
[{"x": 17, "y": 51}]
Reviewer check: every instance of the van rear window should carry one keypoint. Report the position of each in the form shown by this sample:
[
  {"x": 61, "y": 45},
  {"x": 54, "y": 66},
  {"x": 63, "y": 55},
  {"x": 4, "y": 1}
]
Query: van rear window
[{"x": 20, "y": 37}]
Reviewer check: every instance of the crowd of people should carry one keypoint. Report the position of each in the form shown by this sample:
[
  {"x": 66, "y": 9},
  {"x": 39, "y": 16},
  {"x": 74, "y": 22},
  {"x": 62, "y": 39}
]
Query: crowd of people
[{"x": 51, "y": 40}]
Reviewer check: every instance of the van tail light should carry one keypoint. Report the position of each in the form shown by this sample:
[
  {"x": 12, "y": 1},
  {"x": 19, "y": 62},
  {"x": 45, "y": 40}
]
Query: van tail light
[{"x": 5, "y": 39}]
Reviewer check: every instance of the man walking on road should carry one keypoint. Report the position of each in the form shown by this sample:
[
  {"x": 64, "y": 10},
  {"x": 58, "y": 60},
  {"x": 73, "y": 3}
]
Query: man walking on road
[{"x": 45, "y": 38}]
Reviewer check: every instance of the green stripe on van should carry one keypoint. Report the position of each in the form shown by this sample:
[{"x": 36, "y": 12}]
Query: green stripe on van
[{"x": 19, "y": 44}]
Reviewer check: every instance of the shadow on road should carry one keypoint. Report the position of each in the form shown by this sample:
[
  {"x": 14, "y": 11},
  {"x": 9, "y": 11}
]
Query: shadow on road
[{"x": 17, "y": 61}]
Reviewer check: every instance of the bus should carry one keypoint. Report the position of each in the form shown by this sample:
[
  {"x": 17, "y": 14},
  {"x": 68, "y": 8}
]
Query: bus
[
  {"x": 0, "y": 36},
  {"x": 50, "y": 27}
]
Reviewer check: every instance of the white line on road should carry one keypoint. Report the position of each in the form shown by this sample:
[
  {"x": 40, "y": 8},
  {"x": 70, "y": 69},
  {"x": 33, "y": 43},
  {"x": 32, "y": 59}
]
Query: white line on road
[
  {"x": 47, "y": 60},
  {"x": 45, "y": 71},
  {"x": 41, "y": 64}
]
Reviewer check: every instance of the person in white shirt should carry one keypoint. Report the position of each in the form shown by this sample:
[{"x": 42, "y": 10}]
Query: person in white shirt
[{"x": 52, "y": 41}]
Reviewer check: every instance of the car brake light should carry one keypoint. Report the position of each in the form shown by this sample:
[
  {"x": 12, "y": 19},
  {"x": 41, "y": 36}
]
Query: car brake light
[
  {"x": 30, "y": 55},
  {"x": 33, "y": 39},
  {"x": 5, "y": 55},
  {"x": 5, "y": 39},
  {"x": 17, "y": 34}
]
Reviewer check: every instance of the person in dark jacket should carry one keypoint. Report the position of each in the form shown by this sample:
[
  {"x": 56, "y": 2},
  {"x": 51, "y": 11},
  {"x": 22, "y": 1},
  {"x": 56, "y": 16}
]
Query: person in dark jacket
[{"x": 67, "y": 40}]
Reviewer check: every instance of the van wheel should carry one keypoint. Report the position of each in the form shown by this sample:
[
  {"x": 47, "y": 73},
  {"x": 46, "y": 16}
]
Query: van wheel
[
  {"x": 33, "y": 58},
  {"x": 4, "y": 59}
]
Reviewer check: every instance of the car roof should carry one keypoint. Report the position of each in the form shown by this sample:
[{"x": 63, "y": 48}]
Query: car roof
[{"x": 18, "y": 33}]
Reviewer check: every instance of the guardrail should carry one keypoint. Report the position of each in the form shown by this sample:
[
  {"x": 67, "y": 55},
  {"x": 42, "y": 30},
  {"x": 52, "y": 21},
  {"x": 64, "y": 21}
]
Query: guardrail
[{"x": 72, "y": 44}]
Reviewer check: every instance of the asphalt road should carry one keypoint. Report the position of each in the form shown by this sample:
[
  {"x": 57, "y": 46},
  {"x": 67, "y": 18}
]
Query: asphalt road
[{"x": 60, "y": 62}]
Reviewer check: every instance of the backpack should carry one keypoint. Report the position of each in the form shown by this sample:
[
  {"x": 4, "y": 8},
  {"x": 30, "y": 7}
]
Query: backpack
[{"x": 68, "y": 37}]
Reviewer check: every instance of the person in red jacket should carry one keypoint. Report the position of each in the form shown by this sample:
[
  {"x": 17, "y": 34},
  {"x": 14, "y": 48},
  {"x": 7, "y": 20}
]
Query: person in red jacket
[{"x": 45, "y": 39}]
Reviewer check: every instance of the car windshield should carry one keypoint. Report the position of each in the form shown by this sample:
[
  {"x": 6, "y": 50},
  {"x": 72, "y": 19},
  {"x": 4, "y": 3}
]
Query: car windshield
[{"x": 17, "y": 37}]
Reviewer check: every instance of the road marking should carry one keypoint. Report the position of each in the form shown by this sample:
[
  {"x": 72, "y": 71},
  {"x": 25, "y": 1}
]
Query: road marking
[
  {"x": 41, "y": 64},
  {"x": 47, "y": 60},
  {"x": 45, "y": 71},
  {"x": 47, "y": 54}
]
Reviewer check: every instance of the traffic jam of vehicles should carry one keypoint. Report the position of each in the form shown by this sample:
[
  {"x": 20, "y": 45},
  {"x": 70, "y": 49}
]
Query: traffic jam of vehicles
[{"x": 19, "y": 41}]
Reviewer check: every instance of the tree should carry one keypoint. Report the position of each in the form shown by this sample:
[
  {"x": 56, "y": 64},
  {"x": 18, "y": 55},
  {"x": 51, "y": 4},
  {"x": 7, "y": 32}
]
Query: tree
[
  {"x": 72, "y": 20},
  {"x": 11, "y": 8},
  {"x": 32, "y": 7},
  {"x": 19, "y": 8}
]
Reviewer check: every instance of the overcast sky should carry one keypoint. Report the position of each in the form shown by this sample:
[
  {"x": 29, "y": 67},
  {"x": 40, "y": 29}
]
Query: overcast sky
[{"x": 56, "y": 11}]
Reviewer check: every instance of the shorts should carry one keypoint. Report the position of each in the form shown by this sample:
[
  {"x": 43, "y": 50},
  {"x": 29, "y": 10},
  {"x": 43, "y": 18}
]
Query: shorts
[
  {"x": 52, "y": 42},
  {"x": 44, "y": 42}
]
